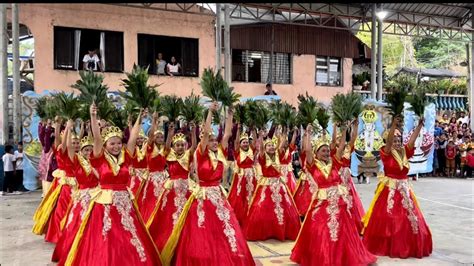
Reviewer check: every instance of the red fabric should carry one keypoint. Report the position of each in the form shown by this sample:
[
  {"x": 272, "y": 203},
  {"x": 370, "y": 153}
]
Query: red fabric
[
  {"x": 152, "y": 189},
  {"x": 357, "y": 210},
  {"x": 470, "y": 160},
  {"x": 302, "y": 196},
  {"x": 450, "y": 152},
  {"x": 290, "y": 179},
  {"x": 391, "y": 166},
  {"x": 390, "y": 233},
  {"x": 157, "y": 163},
  {"x": 242, "y": 189},
  {"x": 211, "y": 242},
  {"x": 103, "y": 245}
]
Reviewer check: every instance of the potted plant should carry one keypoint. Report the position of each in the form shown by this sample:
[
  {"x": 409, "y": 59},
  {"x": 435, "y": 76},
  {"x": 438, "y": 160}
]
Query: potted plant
[{"x": 358, "y": 81}]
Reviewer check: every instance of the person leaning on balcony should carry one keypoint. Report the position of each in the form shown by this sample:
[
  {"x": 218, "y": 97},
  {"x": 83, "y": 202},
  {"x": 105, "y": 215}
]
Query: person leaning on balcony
[
  {"x": 92, "y": 62},
  {"x": 160, "y": 65},
  {"x": 269, "y": 89},
  {"x": 173, "y": 67}
]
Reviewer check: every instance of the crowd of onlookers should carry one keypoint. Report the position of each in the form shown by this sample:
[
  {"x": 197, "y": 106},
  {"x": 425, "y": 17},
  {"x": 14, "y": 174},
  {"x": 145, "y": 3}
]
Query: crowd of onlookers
[{"x": 454, "y": 145}]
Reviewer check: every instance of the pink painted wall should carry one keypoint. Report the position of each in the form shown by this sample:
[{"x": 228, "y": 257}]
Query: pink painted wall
[{"x": 41, "y": 18}]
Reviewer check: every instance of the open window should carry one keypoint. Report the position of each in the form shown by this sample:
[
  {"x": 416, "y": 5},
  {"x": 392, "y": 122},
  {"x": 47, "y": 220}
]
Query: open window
[
  {"x": 254, "y": 66},
  {"x": 72, "y": 44},
  {"x": 328, "y": 71},
  {"x": 184, "y": 50}
]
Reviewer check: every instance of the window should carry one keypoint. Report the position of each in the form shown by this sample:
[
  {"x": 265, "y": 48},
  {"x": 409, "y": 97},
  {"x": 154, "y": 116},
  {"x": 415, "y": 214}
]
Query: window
[
  {"x": 71, "y": 44},
  {"x": 328, "y": 71},
  {"x": 184, "y": 50},
  {"x": 254, "y": 66}
]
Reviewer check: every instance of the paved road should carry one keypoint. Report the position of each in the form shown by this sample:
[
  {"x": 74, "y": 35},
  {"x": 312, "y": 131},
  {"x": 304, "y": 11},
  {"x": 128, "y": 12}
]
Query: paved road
[{"x": 446, "y": 203}]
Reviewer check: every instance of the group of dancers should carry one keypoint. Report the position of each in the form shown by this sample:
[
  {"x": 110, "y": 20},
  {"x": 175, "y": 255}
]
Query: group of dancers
[{"x": 158, "y": 199}]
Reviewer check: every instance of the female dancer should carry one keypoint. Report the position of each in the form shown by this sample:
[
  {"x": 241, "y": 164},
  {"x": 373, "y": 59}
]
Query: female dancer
[
  {"x": 54, "y": 207},
  {"x": 47, "y": 162},
  {"x": 112, "y": 231},
  {"x": 272, "y": 212},
  {"x": 153, "y": 186},
  {"x": 328, "y": 235},
  {"x": 244, "y": 181},
  {"x": 394, "y": 224},
  {"x": 208, "y": 232},
  {"x": 286, "y": 160},
  {"x": 87, "y": 179},
  {"x": 139, "y": 168},
  {"x": 357, "y": 208},
  {"x": 176, "y": 193}
]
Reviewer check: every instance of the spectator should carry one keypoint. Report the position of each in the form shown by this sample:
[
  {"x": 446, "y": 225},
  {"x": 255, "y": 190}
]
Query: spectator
[
  {"x": 92, "y": 62},
  {"x": 450, "y": 158},
  {"x": 160, "y": 65},
  {"x": 464, "y": 128},
  {"x": 442, "y": 143},
  {"x": 452, "y": 124},
  {"x": 463, "y": 118},
  {"x": 19, "y": 168},
  {"x": 173, "y": 68},
  {"x": 444, "y": 119},
  {"x": 9, "y": 171},
  {"x": 270, "y": 90},
  {"x": 438, "y": 129}
]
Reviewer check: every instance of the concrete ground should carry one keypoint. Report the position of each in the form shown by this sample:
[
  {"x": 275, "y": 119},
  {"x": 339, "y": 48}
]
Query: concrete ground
[{"x": 446, "y": 203}]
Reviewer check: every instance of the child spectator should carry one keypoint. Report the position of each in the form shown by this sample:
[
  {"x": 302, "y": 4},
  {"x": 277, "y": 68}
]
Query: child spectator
[
  {"x": 442, "y": 143},
  {"x": 450, "y": 158},
  {"x": 19, "y": 168},
  {"x": 8, "y": 170}
]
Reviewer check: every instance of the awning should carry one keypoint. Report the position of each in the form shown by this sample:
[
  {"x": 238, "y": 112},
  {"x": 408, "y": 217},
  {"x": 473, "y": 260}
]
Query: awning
[{"x": 430, "y": 72}]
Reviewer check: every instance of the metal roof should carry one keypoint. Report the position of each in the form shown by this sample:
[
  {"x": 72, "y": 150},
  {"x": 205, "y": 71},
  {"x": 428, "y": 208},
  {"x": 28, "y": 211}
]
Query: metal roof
[{"x": 431, "y": 72}]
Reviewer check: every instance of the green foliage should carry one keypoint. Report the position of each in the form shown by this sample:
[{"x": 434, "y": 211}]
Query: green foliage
[
  {"x": 283, "y": 114},
  {"x": 436, "y": 53},
  {"x": 216, "y": 116},
  {"x": 41, "y": 108},
  {"x": 215, "y": 87},
  {"x": 358, "y": 80},
  {"x": 406, "y": 82},
  {"x": 138, "y": 92},
  {"x": 307, "y": 110},
  {"x": 418, "y": 101},
  {"x": 323, "y": 118},
  {"x": 395, "y": 100},
  {"x": 172, "y": 106},
  {"x": 66, "y": 105},
  {"x": 257, "y": 115},
  {"x": 239, "y": 114},
  {"x": 346, "y": 107},
  {"x": 192, "y": 110}
]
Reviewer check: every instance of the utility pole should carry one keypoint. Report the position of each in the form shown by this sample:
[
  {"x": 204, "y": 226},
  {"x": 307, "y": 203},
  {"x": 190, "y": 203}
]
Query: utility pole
[
  {"x": 17, "y": 118},
  {"x": 3, "y": 75},
  {"x": 471, "y": 78},
  {"x": 227, "y": 58},
  {"x": 218, "y": 37},
  {"x": 373, "y": 65},
  {"x": 379, "y": 61}
]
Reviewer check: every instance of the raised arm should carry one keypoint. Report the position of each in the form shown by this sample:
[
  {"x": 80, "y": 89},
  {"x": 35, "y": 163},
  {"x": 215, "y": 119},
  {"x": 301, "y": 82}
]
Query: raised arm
[
  {"x": 332, "y": 146},
  {"x": 282, "y": 140},
  {"x": 98, "y": 142},
  {"x": 192, "y": 127},
  {"x": 132, "y": 141},
  {"x": 354, "y": 133},
  {"x": 151, "y": 134},
  {"x": 57, "y": 132},
  {"x": 261, "y": 148},
  {"x": 253, "y": 134},
  {"x": 389, "y": 142},
  {"x": 342, "y": 144},
  {"x": 237, "y": 138},
  {"x": 169, "y": 138},
  {"x": 294, "y": 136},
  {"x": 227, "y": 129},
  {"x": 70, "y": 149},
  {"x": 207, "y": 127},
  {"x": 307, "y": 145},
  {"x": 81, "y": 133},
  {"x": 416, "y": 132}
]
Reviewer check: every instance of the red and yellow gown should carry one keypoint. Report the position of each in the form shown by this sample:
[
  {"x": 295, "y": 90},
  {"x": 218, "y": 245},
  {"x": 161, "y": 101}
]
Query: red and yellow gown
[
  {"x": 394, "y": 225},
  {"x": 87, "y": 179},
  {"x": 138, "y": 171},
  {"x": 345, "y": 172},
  {"x": 153, "y": 186},
  {"x": 287, "y": 168},
  {"x": 328, "y": 235},
  {"x": 53, "y": 208},
  {"x": 208, "y": 232},
  {"x": 172, "y": 201},
  {"x": 243, "y": 184},
  {"x": 112, "y": 231},
  {"x": 305, "y": 188},
  {"x": 272, "y": 212}
]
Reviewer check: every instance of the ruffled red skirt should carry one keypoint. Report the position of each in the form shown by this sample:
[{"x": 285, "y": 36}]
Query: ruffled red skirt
[
  {"x": 396, "y": 227},
  {"x": 74, "y": 220},
  {"x": 64, "y": 202},
  {"x": 137, "y": 180},
  {"x": 151, "y": 192},
  {"x": 241, "y": 192},
  {"x": 167, "y": 211},
  {"x": 113, "y": 234},
  {"x": 289, "y": 177},
  {"x": 303, "y": 195},
  {"x": 211, "y": 234},
  {"x": 357, "y": 209},
  {"x": 272, "y": 213},
  {"x": 329, "y": 237}
]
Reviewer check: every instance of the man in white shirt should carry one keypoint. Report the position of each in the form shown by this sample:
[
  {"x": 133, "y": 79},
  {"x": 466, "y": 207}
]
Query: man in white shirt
[
  {"x": 464, "y": 119},
  {"x": 19, "y": 168},
  {"x": 92, "y": 62},
  {"x": 8, "y": 169}
]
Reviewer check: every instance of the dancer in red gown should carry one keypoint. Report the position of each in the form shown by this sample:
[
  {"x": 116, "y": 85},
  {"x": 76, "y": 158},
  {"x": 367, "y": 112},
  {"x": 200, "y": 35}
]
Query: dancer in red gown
[
  {"x": 286, "y": 160},
  {"x": 87, "y": 179},
  {"x": 328, "y": 235},
  {"x": 153, "y": 186},
  {"x": 245, "y": 179},
  {"x": 394, "y": 224},
  {"x": 176, "y": 193},
  {"x": 357, "y": 208},
  {"x": 208, "y": 232},
  {"x": 272, "y": 212},
  {"x": 139, "y": 168},
  {"x": 54, "y": 207},
  {"x": 112, "y": 231}
]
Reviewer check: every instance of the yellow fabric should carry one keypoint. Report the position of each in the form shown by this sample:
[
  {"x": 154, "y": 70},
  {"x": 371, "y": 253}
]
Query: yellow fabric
[
  {"x": 183, "y": 160},
  {"x": 141, "y": 152},
  {"x": 49, "y": 191},
  {"x": 170, "y": 246},
  {"x": 114, "y": 162},
  {"x": 275, "y": 163},
  {"x": 322, "y": 193},
  {"x": 402, "y": 159},
  {"x": 85, "y": 164},
  {"x": 216, "y": 158},
  {"x": 245, "y": 154},
  {"x": 325, "y": 168},
  {"x": 383, "y": 182},
  {"x": 71, "y": 256},
  {"x": 69, "y": 181},
  {"x": 156, "y": 151},
  {"x": 44, "y": 211}
]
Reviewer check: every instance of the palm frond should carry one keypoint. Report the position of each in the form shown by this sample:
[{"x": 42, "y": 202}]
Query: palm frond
[
  {"x": 172, "y": 106},
  {"x": 158, "y": 105},
  {"x": 283, "y": 114},
  {"x": 418, "y": 101},
  {"x": 41, "y": 107},
  {"x": 395, "y": 100},
  {"x": 137, "y": 89},
  {"x": 215, "y": 87},
  {"x": 346, "y": 107},
  {"x": 307, "y": 110},
  {"x": 323, "y": 118},
  {"x": 216, "y": 116},
  {"x": 67, "y": 105},
  {"x": 239, "y": 114},
  {"x": 192, "y": 109}
]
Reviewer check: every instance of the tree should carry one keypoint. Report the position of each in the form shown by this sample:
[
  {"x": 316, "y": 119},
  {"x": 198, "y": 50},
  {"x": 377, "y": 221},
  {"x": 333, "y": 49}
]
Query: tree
[{"x": 436, "y": 53}]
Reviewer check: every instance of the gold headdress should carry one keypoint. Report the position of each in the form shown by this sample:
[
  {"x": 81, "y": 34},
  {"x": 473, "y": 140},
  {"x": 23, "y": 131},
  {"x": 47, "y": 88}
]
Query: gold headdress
[
  {"x": 159, "y": 131},
  {"x": 180, "y": 137},
  {"x": 273, "y": 140},
  {"x": 321, "y": 141},
  {"x": 396, "y": 134},
  {"x": 142, "y": 134},
  {"x": 244, "y": 136},
  {"x": 86, "y": 141},
  {"x": 201, "y": 135},
  {"x": 110, "y": 132},
  {"x": 73, "y": 134}
]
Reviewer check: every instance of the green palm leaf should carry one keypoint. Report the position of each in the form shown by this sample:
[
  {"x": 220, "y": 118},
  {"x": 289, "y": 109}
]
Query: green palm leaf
[
  {"x": 239, "y": 114},
  {"x": 41, "y": 107},
  {"x": 192, "y": 109},
  {"x": 67, "y": 105},
  {"x": 323, "y": 118},
  {"x": 418, "y": 101},
  {"x": 215, "y": 87},
  {"x": 395, "y": 100},
  {"x": 138, "y": 92},
  {"x": 307, "y": 110},
  {"x": 172, "y": 106}
]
